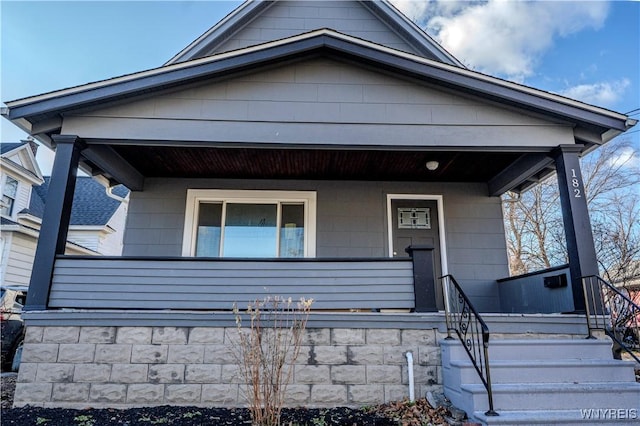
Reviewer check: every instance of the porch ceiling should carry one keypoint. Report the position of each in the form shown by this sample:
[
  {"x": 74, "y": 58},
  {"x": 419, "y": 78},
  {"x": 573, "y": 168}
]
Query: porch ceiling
[{"x": 272, "y": 163}]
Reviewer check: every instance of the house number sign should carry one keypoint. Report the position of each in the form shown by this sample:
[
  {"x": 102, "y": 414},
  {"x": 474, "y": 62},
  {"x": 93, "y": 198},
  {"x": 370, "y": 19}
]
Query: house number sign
[{"x": 575, "y": 184}]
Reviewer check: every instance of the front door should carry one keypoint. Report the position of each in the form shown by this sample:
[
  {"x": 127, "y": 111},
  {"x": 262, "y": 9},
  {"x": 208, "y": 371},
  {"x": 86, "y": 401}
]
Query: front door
[{"x": 415, "y": 222}]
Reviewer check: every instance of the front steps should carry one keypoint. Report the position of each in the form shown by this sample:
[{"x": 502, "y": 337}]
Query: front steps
[{"x": 544, "y": 381}]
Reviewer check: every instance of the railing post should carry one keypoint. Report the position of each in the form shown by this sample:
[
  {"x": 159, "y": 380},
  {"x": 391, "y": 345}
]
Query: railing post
[
  {"x": 447, "y": 307},
  {"x": 587, "y": 305},
  {"x": 485, "y": 344},
  {"x": 423, "y": 278}
]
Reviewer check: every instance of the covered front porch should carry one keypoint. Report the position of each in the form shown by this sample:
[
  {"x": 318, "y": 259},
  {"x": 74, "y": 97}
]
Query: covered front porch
[{"x": 351, "y": 255}]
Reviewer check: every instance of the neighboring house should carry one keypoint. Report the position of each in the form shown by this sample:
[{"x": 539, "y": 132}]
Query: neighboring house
[
  {"x": 20, "y": 173},
  {"x": 97, "y": 220},
  {"x": 98, "y": 215},
  {"x": 297, "y": 148}
]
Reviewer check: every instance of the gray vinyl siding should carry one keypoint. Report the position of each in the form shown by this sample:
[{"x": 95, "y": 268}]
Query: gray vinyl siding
[
  {"x": 351, "y": 222},
  {"x": 320, "y": 101},
  {"x": 288, "y": 18},
  {"x": 193, "y": 284}
]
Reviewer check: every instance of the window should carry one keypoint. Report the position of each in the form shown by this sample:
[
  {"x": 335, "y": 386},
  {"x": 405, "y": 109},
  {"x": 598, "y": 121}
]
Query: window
[
  {"x": 9, "y": 192},
  {"x": 254, "y": 224}
]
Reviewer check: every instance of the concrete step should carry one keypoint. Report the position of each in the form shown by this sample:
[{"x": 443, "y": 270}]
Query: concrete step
[
  {"x": 544, "y": 381},
  {"x": 554, "y": 396},
  {"x": 542, "y": 371},
  {"x": 534, "y": 349},
  {"x": 602, "y": 416}
]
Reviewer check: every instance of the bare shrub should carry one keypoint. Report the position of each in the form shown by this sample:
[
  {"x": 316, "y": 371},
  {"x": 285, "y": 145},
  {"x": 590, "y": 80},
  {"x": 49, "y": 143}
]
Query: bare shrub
[{"x": 266, "y": 351}]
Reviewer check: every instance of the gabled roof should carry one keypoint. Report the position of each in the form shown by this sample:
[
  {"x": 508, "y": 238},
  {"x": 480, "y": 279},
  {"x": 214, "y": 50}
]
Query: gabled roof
[
  {"x": 252, "y": 9},
  {"x": 19, "y": 158},
  {"x": 597, "y": 124},
  {"x": 91, "y": 205},
  {"x": 8, "y": 147}
]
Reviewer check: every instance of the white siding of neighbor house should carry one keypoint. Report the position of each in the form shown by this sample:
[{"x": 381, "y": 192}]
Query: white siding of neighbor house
[
  {"x": 86, "y": 238},
  {"x": 21, "y": 251},
  {"x": 5, "y": 244},
  {"x": 351, "y": 222},
  {"x": 111, "y": 243},
  {"x": 320, "y": 101},
  {"x": 18, "y": 254},
  {"x": 287, "y": 18}
]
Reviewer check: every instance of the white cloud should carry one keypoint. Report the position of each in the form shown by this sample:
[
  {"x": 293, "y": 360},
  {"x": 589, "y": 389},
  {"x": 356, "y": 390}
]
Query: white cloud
[
  {"x": 503, "y": 37},
  {"x": 627, "y": 157},
  {"x": 603, "y": 93}
]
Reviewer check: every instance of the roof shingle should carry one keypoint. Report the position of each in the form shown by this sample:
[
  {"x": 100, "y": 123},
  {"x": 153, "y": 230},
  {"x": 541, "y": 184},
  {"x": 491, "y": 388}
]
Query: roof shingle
[{"x": 91, "y": 205}]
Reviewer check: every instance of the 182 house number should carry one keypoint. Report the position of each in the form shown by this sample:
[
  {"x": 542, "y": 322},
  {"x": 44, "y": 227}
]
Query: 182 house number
[{"x": 575, "y": 183}]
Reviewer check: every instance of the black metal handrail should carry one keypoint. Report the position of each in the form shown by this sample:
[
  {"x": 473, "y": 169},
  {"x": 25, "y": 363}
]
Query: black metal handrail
[
  {"x": 610, "y": 310},
  {"x": 464, "y": 319}
]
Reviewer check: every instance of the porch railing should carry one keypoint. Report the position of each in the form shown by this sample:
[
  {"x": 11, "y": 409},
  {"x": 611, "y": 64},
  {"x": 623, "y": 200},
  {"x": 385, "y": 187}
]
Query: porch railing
[
  {"x": 92, "y": 282},
  {"x": 471, "y": 329},
  {"x": 610, "y": 310}
]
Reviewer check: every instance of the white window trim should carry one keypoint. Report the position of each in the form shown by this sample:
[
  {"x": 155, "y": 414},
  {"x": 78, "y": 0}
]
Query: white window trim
[
  {"x": 440, "y": 205},
  {"x": 13, "y": 211},
  {"x": 196, "y": 196}
]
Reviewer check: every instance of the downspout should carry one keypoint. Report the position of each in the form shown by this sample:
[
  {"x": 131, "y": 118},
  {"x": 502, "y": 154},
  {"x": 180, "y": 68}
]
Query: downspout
[
  {"x": 412, "y": 395},
  {"x": 110, "y": 194},
  {"x": 108, "y": 189}
]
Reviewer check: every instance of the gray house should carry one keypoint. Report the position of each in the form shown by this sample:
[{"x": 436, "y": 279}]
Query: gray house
[{"x": 329, "y": 150}]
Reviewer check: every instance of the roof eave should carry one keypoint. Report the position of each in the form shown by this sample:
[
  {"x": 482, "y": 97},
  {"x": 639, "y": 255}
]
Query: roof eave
[
  {"x": 230, "y": 23},
  {"x": 413, "y": 35},
  {"x": 386, "y": 58}
]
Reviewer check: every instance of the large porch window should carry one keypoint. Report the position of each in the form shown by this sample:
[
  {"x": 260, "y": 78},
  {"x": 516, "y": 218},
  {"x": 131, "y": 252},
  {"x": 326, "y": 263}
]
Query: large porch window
[{"x": 255, "y": 224}]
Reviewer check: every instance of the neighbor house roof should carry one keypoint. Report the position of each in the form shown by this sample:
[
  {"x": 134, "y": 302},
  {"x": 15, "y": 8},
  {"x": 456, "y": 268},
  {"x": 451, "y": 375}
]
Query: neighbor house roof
[
  {"x": 25, "y": 163},
  {"x": 8, "y": 147},
  {"x": 91, "y": 205}
]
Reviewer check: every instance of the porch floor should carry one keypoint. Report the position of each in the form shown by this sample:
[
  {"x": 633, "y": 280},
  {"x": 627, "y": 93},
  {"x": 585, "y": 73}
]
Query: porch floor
[{"x": 519, "y": 325}]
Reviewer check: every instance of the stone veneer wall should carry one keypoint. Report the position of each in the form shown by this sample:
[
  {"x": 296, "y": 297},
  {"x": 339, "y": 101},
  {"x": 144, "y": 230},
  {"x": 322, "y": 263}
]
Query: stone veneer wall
[{"x": 141, "y": 366}]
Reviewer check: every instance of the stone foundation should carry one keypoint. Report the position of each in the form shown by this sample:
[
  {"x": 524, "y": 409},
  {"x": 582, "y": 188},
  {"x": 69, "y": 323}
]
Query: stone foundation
[{"x": 122, "y": 367}]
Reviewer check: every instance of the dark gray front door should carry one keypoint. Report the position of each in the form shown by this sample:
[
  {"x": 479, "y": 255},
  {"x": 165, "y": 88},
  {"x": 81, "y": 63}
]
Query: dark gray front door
[{"x": 415, "y": 222}]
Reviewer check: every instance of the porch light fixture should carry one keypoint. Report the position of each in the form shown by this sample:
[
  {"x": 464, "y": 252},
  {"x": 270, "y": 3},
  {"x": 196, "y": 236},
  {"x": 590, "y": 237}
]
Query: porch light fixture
[{"x": 432, "y": 165}]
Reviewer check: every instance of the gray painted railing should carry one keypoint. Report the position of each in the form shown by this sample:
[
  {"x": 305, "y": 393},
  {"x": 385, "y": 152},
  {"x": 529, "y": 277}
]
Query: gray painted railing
[
  {"x": 215, "y": 284},
  {"x": 471, "y": 330},
  {"x": 532, "y": 293},
  {"x": 610, "y": 310}
]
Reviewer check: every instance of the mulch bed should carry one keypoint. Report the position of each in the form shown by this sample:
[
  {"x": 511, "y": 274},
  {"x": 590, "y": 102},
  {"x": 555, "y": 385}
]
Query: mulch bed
[{"x": 185, "y": 416}]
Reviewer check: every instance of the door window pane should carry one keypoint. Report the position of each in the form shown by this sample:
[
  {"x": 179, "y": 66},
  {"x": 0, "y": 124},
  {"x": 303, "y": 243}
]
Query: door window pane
[
  {"x": 208, "y": 237},
  {"x": 250, "y": 230},
  {"x": 292, "y": 231}
]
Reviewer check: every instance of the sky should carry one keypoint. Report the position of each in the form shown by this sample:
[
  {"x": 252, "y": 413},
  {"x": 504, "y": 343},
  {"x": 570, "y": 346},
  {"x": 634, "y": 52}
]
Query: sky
[{"x": 586, "y": 50}]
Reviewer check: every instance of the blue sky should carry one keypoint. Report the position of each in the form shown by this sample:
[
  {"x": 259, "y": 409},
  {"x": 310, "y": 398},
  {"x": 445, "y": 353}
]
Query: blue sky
[{"x": 588, "y": 50}]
